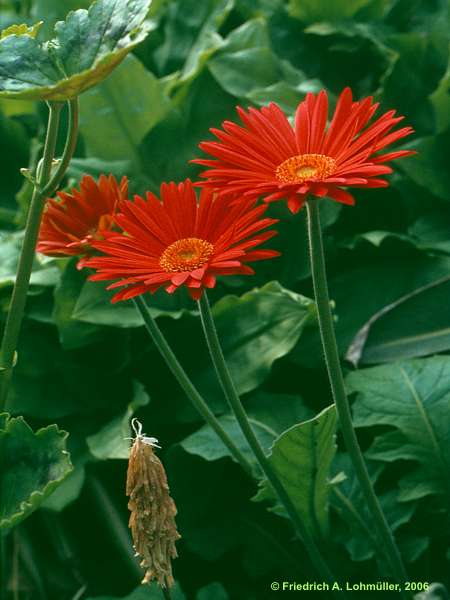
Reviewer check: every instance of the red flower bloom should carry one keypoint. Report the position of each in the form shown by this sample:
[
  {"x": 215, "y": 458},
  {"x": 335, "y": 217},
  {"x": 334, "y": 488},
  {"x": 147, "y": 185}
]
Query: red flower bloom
[
  {"x": 180, "y": 242},
  {"x": 70, "y": 224},
  {"x": 268, "y": 157}
]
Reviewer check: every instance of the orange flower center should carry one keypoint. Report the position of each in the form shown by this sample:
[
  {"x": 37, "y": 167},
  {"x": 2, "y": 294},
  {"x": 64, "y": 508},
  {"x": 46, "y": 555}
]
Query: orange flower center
[
  {"x": 186, "y": 255},
  {"x": 302, "y": 167}
]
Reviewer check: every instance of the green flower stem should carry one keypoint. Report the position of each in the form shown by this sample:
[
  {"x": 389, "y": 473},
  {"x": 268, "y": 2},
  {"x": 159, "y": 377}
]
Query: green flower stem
[
  {"x": 231, "y": 395},
  {"x": 338, "y": 389},
  {"x": 69, "y": 149},
  {"x": 186, "y": 384},
  {"x": 45, "y": 185},
  {"x": 3, "y": 567}
]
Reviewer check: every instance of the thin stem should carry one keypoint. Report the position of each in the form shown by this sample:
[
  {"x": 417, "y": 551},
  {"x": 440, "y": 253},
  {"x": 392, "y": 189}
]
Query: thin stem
[
  {"x": 338, "y": 389},
  {"x": 231, "y": 395},
  {"x": 187, "y": 385},
  {"x": 69, "y": 149},
  {"x": 45, "y": 185},
  {"x": 120, "y": 534},
  {"x": 166, "y": 593},
  {"x": 3, "y": 567}
]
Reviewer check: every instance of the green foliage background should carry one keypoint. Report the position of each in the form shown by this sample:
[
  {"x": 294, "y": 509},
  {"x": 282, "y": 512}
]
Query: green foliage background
[{"x": 89, "y": 366}]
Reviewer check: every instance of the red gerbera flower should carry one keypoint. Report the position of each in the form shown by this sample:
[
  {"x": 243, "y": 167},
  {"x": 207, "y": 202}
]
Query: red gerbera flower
[
  {"x": 177, "y": 241},
  {"x": 268, "y": 157},
  {"x": 70, "y": 224}
]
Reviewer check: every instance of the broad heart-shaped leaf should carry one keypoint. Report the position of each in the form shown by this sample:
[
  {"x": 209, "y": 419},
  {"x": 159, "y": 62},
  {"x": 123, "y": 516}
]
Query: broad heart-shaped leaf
[
  {"x": 32, "y": 466},
  {"x": 122, "y": 110},
  {"x": 256, "y": 329},
  {"x": 145, "y": 592},
  {"x": 301, "y": 457},
  {"x": 87, "y": 47},
  {"x": 412, "y": 397},
  {"x": 112, "y": 440}
]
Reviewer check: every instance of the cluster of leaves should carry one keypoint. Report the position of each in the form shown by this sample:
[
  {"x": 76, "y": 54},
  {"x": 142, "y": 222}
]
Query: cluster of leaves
[{"x": 89, "y": 366}]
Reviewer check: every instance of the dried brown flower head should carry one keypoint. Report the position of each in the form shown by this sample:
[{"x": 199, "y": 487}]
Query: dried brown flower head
[{"x": 152, "y": 519}]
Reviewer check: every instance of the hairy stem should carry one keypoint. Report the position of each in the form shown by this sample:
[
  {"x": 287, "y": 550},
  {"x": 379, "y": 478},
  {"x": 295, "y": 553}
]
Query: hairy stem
[
  {"x": 338, "y": 390},
  {"x": 3, "y": 567},
  {"x": 186, "y": 384},
  {"x": 235, "y": 403},
  {"x": 44, "y": 186}
]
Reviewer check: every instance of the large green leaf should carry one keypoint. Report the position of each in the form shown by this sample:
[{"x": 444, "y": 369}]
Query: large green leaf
[
  {"x": 412, "y": 326},
  {"x": 270, "y": 415},
  {"x": 395, "y": 272},
  {"x": 32, "y": 466},
  {"x": 87, "y": 47},
  {"x": 122, "y": 109},
  {"x": 413, "y": 398},
  {"x": 258, "y": 328},
  {"x": 94, "y": 306},
  {"x": 301, "y": 457},
  {"x": 247, "y": 67},
  {"x": 206, "y": 443}
]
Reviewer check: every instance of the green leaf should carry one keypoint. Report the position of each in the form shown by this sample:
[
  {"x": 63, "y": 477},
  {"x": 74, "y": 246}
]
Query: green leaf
[
  {"x": 32, "y": 466},
  {"x": 270, "y": 415},
  {"x": 94, "y": 306},
  {"x": 44, "y": 273},
  {"x": 122, "y": 110},
  {"x": 112, "y": 440},
  {"x": 256, "y": 329},
  {"x": 440, "y": 99},
  {"x": 394, "y": 273},
  {"x": 72, "y": 334},
  {"x": 431, "y": 168},
  {"x": 348, "y": 500},
  {"x": 206, "y": 444},
  {"x": 301, "y": 457},
  {"x": 189, "y": 43},
  {"x": 412, "y": 326},
  {"x": 145, "y": 592},
  {"x": 247, "y": 67},
  {"x": 310, "y": 11},
  {"x": 87, "y": 47},
  {"x": 413, "y": 398}
]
